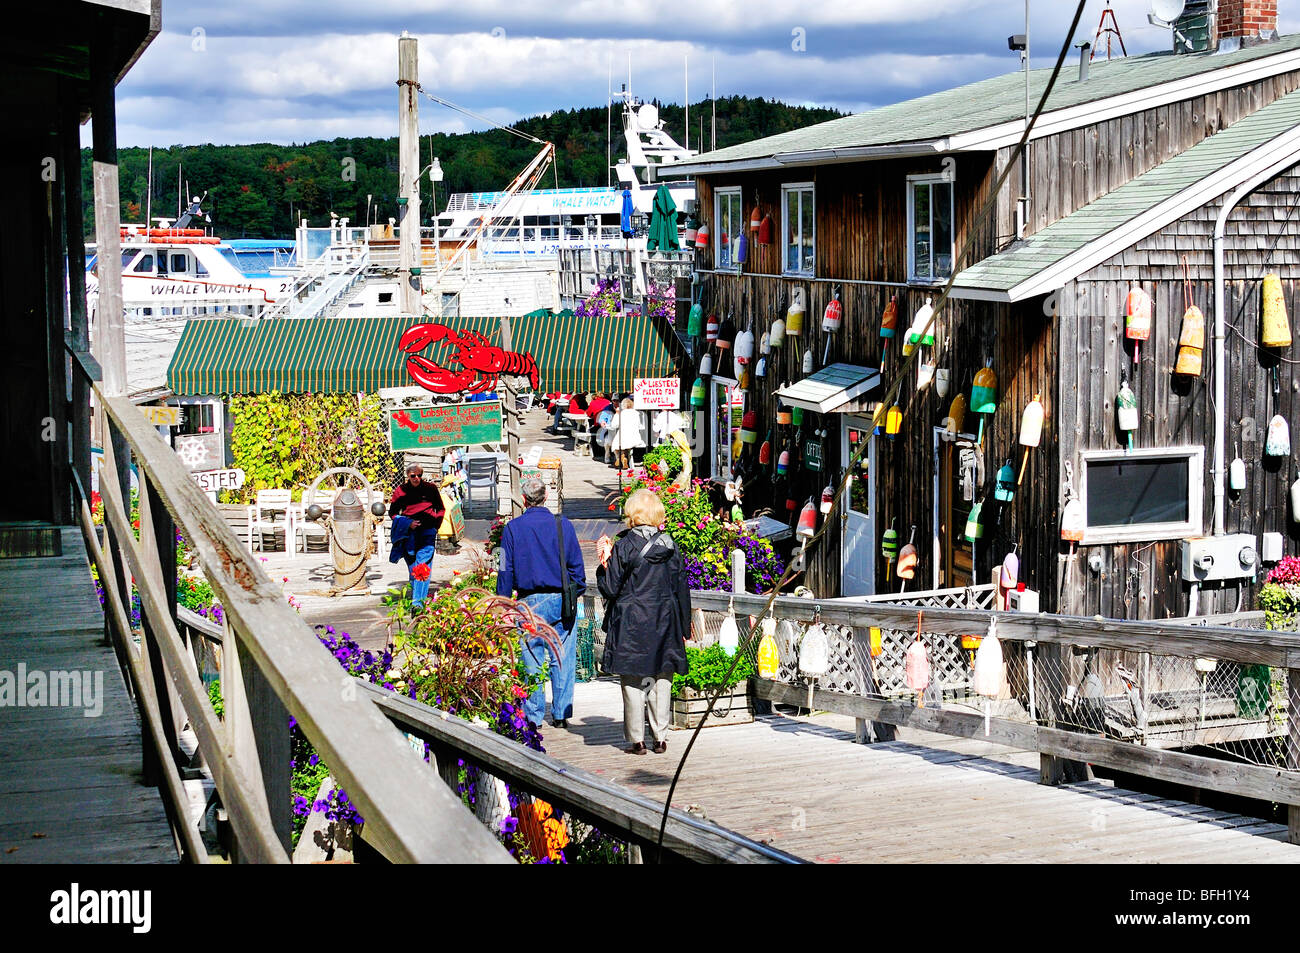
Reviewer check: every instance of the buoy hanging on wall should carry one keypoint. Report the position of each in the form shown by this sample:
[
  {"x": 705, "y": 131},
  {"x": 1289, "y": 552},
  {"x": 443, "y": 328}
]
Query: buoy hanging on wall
[
  {"x": 942, "y": 379},
  {"x": 907, "y": 559},
  {"x": 783, "y": 415},
  {"x": 807, "y": 521},
  {"x": 888, "y": 324},
  {"x": 702, "y": 236},
  {"x": 695, "y": 321},
  {"x": 692, "y": 232},
  {"x": 1004, "y": 486},
  {"x": 1191, "y": 340},
  {"x": 1137, "y": 319},
  {"x": 828, "y": 499},
  {"x": 1276, "y": 326},
  {"x": 1074, "y": 520},
  {"x": 711, "y": 328},
  {"x": 919, "y": 333},
  {"x": 776, "y": 334},
  {"x": 744, "y": 347},
  {"x": 916, "y": 667},
  {"x": 794, "y": 314},
  {"x": 984, "y": 395},
  {"x": 698, "y": 393},
  {"x": 706, "y": 365},
  {"x": 956, "y": 415},
  {"x": 769, "y": 656},
  {"x": 1277, "y": 443},
  {"x": 1031, "y": 432},
  {"x": 1237, "y": 474},
  {"x": 807, "y": 360},
  {"x": 782, "y": 462},
  {"x": 1126, "y": 408},
  {"x": 742, "y": 249},
  {"x": 889, "y": 548},
  {"x": 975, "y": 522}
]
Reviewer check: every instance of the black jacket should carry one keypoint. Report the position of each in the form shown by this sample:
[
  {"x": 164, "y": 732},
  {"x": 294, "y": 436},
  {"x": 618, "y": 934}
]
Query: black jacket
[{"x": 647, "y": 605}]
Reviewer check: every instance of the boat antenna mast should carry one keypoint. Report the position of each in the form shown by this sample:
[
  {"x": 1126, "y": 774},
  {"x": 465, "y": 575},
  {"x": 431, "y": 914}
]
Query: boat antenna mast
[{"x": 1109, "y": 31}]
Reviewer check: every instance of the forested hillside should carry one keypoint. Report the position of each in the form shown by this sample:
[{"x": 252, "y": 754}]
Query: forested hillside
[{"x": 261, "y": 190}]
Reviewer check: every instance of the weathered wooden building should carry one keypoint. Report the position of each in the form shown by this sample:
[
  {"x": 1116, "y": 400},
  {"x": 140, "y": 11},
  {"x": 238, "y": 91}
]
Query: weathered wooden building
[{"x": 1129, "y": 165}]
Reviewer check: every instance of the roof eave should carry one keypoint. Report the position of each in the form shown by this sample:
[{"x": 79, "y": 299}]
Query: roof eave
[{"x": 816, "y": 157}]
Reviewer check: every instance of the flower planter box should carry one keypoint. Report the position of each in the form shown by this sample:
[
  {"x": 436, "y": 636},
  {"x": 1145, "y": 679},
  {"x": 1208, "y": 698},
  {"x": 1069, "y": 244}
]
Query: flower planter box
[{"x": 734, "y": 707}]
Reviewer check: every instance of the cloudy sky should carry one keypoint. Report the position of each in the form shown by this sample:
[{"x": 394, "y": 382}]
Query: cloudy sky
[{"x": 297, "y": 70}]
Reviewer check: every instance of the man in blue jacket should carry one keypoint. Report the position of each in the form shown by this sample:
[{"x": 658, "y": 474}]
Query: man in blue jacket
[{"x": 530, "y": 571}]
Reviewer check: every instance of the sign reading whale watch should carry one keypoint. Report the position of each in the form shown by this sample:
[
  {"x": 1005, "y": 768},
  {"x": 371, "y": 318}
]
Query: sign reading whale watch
[{"x": 447, "y": 425}]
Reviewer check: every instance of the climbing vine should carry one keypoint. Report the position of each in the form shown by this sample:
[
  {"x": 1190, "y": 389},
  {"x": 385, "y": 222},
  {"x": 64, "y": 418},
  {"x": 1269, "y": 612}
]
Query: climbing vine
[{"x": 285, "y": 440}]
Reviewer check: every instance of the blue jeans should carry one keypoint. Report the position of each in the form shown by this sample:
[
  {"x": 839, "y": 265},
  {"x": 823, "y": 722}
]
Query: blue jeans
[
  {"x": 425, "y": 544},
  {"x": 535, "y": 652}
]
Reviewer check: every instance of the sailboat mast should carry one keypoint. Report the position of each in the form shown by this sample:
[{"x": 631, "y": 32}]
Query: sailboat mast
[
  {"x": 609, "y": 118},
  {"x": 148, "y": 195},
  {"x": 713, "y": 123},
  {"x": 686, "y": 68}
]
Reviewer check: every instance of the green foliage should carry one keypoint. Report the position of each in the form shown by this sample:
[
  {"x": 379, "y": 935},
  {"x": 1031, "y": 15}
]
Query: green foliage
[
  {"x": 260, "y": 190},
  {"x": 707, "y": 669},
  {"x": 669, "y": 454},
  {"x": 214, "y": 696},
  {"x": 286, "y": 440},
  {"x": 1279, "y": 605}
]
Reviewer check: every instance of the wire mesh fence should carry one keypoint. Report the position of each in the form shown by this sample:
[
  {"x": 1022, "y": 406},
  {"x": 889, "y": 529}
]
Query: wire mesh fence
[{"x": 1228, "y": 709}]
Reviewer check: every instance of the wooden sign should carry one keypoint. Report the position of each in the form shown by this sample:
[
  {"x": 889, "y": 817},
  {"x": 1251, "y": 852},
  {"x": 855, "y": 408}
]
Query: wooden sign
[
  {"x": 162, "y": 416},
  {"x": 447, "y": 425},
  {"x": 656, "y": 393},
  {"x": 213, "y": 481},
  {"x": 812, "y": 455}
]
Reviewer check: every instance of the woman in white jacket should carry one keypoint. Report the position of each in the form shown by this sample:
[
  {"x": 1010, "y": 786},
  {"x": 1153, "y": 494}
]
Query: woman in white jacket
[{"x": 625, "y": 434}]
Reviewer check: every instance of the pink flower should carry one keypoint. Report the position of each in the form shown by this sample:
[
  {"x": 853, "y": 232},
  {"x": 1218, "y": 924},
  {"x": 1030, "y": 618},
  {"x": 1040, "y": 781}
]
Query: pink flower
[{"x": 519, "y": 692}]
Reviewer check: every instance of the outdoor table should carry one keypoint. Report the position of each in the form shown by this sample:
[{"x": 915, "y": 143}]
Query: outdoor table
[{"x": 581, "y": 429}]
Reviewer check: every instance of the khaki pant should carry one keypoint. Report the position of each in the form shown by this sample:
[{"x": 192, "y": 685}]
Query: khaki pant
[{"x": 644, "y": 696}]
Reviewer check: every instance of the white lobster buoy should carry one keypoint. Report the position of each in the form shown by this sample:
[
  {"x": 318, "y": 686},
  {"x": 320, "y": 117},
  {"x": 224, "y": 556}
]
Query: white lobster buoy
[
  {"x": 916, "y": 667},
  {"x": 729, "y": 634},
  {"x": 814, "y": 652}
]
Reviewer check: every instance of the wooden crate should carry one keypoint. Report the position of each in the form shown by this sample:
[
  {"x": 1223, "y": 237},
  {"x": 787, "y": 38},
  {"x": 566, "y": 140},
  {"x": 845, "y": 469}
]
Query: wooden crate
[{"x": 734, "y": 708}]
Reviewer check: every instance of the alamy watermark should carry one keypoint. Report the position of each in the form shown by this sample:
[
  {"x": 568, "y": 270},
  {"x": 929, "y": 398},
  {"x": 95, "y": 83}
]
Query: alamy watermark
[{"x": 36, "y": 688}]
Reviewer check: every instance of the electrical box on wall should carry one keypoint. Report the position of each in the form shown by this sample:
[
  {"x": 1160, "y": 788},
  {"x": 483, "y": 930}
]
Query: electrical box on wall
[
  {"x": 1219, "y": 558},
  {"x": 1022, "y": 600},
  {"x": 1271, "y": 548}
]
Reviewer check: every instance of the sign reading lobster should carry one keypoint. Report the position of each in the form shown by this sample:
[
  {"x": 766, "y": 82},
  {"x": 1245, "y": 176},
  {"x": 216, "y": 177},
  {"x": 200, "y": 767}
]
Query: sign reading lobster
[{"x": 481, "y": 362}]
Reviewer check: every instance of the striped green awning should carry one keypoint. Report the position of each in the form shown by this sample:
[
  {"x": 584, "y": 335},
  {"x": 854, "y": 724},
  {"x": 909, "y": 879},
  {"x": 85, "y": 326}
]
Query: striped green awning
[{"x": 360, "y": 355}]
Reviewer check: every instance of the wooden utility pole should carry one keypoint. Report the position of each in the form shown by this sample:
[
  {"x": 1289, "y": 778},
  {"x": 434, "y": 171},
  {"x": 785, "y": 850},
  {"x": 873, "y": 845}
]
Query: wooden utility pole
[
  {"x": 109, "y": 332},
  {"x": 510, "y": 420},
  {"x": 408, "y": 158}
]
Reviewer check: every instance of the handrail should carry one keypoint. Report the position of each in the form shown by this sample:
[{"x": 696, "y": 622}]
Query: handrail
[
  {"x": 410, "y": 816},
  {"x": 614, "y": 810},
  {"x": 1051, "y": 728},
  {"x": 1162, "y": 637}
]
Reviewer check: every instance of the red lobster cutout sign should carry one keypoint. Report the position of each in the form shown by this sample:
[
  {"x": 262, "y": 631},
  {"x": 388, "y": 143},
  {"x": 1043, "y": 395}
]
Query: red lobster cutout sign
[{"x": 481, "y": 363}]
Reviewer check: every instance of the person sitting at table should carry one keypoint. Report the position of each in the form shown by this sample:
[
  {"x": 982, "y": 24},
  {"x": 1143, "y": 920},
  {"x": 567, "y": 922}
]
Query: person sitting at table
[
  {"x": 558, "y": 406},
  {"x": 598, "y": 405}
]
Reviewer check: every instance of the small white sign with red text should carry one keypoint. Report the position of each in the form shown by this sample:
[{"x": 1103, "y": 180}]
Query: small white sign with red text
[{"x": 656, "y": 393}]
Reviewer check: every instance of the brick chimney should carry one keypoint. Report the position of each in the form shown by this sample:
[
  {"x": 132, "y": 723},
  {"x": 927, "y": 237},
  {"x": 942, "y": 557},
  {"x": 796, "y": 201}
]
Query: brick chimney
[{"x": 1240, "y": 23}]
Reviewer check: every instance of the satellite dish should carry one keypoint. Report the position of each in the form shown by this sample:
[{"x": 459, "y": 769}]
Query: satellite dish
[
  {"x": 1168, "y": 10},
  {"x": 647, "y": 116}
]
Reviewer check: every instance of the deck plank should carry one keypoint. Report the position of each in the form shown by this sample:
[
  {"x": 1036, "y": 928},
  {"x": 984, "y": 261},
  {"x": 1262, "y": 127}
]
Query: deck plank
[
  {"x": 73, "y": 779},
  {"x": 802, "y": 785}
]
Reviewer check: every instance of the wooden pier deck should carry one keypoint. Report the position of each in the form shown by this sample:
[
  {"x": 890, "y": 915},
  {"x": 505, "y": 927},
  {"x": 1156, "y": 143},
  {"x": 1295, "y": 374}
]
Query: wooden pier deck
[
  {"x": 70, "y": 786},
  {"x": 802, "y": 785}
]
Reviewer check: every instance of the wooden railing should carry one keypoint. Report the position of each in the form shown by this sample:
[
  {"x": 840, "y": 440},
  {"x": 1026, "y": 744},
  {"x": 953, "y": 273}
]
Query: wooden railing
[
  {"x": 1046, "y": 658},
  {"x": 274, "y": 667},
  {"x": 615, "y": 811}
]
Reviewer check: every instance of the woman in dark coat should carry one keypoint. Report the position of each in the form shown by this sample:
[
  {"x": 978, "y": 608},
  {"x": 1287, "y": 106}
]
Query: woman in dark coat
[{"x": 647, "y": 618}]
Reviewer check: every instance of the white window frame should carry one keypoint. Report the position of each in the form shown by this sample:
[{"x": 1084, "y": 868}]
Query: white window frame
[
  {"x": 723, "y": 472},
  {"x": 732, "y": 234},
  {"x": 1149, "y": 532},
  {"x": 786, "y": 189},
  {"x": 929, "y": 178}
]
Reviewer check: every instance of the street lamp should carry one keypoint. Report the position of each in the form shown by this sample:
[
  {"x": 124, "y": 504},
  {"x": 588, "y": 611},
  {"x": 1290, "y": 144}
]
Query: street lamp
[{"x": 435, "y": 176}]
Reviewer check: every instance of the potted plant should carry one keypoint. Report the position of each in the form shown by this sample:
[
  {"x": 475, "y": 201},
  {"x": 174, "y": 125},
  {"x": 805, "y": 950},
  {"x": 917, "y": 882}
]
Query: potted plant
[{"x": 710, "y": 668}]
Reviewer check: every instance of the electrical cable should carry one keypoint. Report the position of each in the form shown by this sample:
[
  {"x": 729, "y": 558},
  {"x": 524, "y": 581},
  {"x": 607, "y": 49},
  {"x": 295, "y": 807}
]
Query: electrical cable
[{"x": 891, "y": 391}]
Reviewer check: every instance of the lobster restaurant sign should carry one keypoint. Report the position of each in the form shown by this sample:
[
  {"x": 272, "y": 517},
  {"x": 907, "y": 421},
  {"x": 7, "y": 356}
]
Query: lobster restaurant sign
[
  {"x": 656, "y": 393},
  {"x": 447, "y": 425}
]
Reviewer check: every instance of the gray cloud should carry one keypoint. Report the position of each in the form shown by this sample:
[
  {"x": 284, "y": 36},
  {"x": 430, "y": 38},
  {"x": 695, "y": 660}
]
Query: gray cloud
[{"x": 304, "y": 69}]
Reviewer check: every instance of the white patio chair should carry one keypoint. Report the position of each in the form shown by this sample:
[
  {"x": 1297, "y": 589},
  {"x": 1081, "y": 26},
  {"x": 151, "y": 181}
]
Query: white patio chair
[{"x": 262, "y": 518}]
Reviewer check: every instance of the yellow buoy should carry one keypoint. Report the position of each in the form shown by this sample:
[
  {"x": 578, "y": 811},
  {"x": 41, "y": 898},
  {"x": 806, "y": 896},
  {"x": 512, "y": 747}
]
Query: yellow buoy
[
  {"x": 1277, "y": 329},
  {"x": 1191, "y": 343},
  {"x": 956, "y": 414}
]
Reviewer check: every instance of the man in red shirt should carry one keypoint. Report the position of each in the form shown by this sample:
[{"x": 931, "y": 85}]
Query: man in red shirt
[{"x": 417, "y": 511}]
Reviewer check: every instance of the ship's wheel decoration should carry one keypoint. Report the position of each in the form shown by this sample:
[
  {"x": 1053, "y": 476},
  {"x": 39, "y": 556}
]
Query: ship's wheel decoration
[{"x": 480, "y": 362}]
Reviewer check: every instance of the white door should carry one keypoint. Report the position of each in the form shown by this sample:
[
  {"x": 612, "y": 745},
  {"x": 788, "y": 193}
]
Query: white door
[{"x": 857, "y": 524}]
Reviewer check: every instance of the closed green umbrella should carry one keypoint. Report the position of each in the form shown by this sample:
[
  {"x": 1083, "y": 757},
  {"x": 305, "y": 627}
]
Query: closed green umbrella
[{"x": 663, "y": 222}]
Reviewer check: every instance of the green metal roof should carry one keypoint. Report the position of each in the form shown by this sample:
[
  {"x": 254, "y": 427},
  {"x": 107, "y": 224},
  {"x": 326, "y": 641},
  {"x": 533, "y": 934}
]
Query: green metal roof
[
  {"x": 1100, "y": 218},
  {"x": 360, "y": 355},
  {"x": 991, "y": 102}
]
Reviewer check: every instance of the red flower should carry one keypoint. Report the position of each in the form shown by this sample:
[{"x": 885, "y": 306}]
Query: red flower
[{"x": 420, "y": 571}]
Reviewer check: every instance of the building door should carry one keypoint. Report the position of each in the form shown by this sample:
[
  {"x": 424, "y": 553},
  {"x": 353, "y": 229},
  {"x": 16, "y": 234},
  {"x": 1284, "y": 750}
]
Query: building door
[{"x": 857, "y": 524}]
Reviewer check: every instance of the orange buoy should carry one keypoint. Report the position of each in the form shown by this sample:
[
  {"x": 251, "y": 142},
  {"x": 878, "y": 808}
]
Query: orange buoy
[
  {"x": 1191, "y": 343},
  {"x": 1137, "y": 319}
]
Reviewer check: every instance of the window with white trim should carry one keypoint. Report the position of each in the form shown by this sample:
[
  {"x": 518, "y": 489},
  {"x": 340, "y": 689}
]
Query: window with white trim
[
  {"x": 727, "y": 408},
  {"x": 1143, "y": 495},
  {"x": 929, "y": 227},
  {"x": 727, "y": 217},
  {"x": 798, "y": 229}
]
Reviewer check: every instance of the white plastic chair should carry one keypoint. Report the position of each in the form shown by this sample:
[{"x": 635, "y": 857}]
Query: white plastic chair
[
  {"x": 482, "y": 472},
  {"x": 262, "y": 517}
]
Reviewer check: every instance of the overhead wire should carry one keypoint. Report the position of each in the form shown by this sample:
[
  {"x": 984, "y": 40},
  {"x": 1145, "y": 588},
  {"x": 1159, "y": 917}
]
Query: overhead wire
[{"x": 891, "y": 392}]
